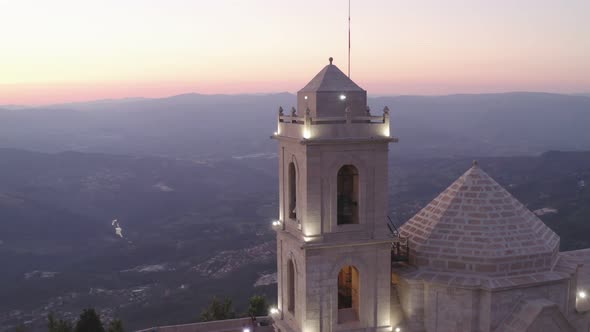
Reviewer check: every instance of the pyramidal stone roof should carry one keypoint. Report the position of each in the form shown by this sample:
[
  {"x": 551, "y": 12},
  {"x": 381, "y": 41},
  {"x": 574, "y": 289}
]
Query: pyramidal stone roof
[
  {"x": 331, "y": 79},
  {"x": 476, "y": 226}
]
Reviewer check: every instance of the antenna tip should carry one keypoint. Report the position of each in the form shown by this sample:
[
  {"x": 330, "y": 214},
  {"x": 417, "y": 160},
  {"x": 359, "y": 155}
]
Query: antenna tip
[{"x": 331, "y": 59}]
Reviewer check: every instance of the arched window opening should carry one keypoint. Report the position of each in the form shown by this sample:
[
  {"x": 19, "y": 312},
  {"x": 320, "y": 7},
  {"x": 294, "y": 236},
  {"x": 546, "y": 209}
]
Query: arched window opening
[
  {"x": 348, "y": 188},
  {"x": 348, "y": 294},
  {"x": 291, "y": 287},
  {"x": 292, "y": 191}
]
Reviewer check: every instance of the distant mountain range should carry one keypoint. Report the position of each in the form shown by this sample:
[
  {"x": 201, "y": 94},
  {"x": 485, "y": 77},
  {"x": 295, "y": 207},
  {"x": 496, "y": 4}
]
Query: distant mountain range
[{"x": 194, "y": 126}]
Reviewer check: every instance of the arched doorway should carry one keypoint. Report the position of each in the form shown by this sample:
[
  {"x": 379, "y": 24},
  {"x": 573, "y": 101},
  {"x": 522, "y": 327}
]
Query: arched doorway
[
  {"x": 348, "y": 294},
  {"x": 291, "y": 286},
  {"x": 348, "y": 195}
]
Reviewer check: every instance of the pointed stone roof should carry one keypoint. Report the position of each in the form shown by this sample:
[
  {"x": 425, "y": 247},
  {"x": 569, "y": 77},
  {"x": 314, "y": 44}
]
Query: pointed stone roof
[
  {"x": 331, "y": 79},
  {"x": 476, "y": 226}
]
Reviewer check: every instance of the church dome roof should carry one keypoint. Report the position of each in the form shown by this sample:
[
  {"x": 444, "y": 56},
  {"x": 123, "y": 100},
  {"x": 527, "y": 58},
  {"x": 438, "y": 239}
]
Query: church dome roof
[
  {"x": 476, "y": 226},
  {"x": 331, "y": 79}
]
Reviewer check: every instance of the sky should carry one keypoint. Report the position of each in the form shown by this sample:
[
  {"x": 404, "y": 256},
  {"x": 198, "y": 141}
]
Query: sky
[{"x": 62, "y": 51}]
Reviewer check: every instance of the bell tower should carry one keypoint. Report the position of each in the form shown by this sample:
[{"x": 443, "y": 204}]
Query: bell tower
[{"x": 333, "y": 249}]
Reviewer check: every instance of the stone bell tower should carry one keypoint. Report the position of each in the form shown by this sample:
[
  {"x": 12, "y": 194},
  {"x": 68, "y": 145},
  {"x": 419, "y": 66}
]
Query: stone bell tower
[{"x": 333, "y": 249}]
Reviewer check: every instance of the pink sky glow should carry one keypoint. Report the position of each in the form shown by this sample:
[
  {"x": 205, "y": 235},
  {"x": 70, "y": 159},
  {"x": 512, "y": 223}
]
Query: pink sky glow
[{"x": 64, "y": 51}]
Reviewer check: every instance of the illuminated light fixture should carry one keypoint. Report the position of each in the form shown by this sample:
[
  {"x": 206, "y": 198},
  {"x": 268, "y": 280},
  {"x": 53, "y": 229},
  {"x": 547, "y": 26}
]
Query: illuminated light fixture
[
  {"x": 305, "y": 97},
  {"x": 276, "y": 223},
  {"x": 276, "y": 133},
  {"x": 246, "y": 329},
  {"x": 582, "y": 294},
  {"x": 274, "y": 311},
  {"x": 306, "y": 134},
  {"x": 342, "y": 97},
  {"x": 398, "y": 329}
]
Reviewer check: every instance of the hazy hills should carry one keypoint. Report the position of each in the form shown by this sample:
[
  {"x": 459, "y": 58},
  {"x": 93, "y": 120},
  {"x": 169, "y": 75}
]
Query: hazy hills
[
  {"x": 192, "y": 180},
  {"x": 184, "y": 223},
  {"x": 194, "y": 126},
  {"x": 59, "y": 250}
]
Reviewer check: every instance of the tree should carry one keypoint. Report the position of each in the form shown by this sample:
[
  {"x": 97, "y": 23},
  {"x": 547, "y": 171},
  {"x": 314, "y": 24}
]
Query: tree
[
  {"x": 218, "y": 310},
  {"x": 116, "y": 325},
  {"x": 51, "y": 323},
  {"x": 89, "y": 321},
  {"x": 58, "y": 325},
  {"x": 257, "y": 306}
]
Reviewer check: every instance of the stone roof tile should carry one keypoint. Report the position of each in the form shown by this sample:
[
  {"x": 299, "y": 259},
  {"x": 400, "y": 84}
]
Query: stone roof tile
[
  {"x": 492, "y": 232},
  {"x": 331, "y": 79}
]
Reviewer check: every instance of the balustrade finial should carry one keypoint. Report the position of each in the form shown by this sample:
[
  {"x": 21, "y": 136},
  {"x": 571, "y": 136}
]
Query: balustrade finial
[
  {"x": 293, "y": 111},
  {"x": 386, "y": 110},
  {"x": 281, "y": 110}
]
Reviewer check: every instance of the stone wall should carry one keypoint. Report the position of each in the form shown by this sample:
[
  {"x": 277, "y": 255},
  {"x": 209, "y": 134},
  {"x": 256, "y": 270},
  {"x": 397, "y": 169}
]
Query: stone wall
[
  {"x": 450, "y": 309},
  {"x": 372, "y": 262},
  {"x": 289, "y": 248},
  {"x": 503, "y": 303}
]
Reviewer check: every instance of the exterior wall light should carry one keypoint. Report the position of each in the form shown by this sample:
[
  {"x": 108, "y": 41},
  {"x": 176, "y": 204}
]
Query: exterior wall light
[
  {"x": 306, "y": 134},
  {"x": 386, "y": 131},
  {"x": 274, "y": 311},
  {"x": 305, "y": 97},
  {"x": 582, "y": 294},
  {"x": 276, "y": 223},
  {"x": 342, "y": 96},
  {"x": 246, "y": 329},
  {"x": 398, "y": 329}
]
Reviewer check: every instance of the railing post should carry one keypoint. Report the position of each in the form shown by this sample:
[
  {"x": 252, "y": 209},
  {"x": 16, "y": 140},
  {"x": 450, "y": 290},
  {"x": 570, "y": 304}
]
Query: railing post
[
  {"x": 348, "y": 115},
  {"x": 386, "y": 119},
  {"x": 293, "y": 115},
  {"x": 307, "y": 124},
  {"x": 386, "y": 115}
]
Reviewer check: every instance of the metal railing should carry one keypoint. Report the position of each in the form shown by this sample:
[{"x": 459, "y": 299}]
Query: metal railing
[{"x": 399, "y": 244}]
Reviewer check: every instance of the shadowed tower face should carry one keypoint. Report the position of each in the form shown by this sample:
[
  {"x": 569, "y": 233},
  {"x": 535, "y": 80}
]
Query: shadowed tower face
[{"x": 333, "y": 252}]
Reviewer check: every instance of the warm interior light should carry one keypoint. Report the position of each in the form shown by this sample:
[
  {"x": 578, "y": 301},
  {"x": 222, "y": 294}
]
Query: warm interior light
[
  {"x": 582, "y": 294},
  {"x": 342, "y": 97}
]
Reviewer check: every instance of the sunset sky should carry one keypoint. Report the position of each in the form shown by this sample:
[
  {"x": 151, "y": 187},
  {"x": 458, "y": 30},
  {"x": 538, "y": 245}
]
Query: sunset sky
[{"x": 60, "y": 51}]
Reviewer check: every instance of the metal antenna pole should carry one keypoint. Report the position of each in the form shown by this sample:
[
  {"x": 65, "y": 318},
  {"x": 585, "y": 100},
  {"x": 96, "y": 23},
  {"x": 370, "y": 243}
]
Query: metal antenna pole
[{"x": 349, "y": 38}]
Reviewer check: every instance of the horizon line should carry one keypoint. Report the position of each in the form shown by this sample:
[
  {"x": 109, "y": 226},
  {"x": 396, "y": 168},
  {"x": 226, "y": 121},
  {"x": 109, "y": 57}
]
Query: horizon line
[{"x": 139, "y": 98}]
